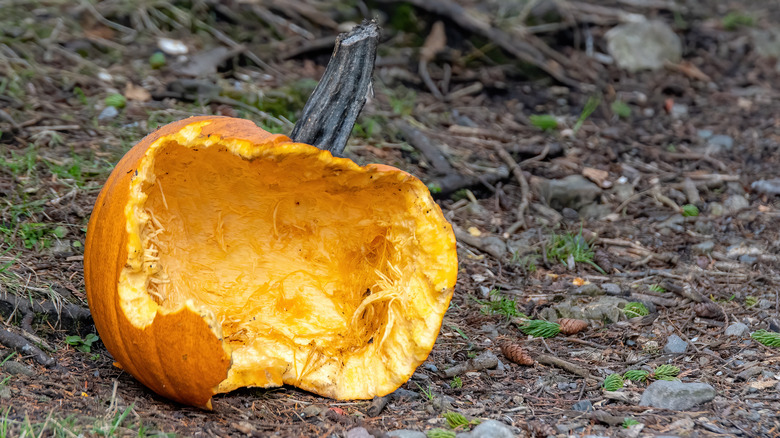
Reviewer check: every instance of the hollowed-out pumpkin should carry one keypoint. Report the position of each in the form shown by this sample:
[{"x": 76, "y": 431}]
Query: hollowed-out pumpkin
[{"x": 220, "y": 256}]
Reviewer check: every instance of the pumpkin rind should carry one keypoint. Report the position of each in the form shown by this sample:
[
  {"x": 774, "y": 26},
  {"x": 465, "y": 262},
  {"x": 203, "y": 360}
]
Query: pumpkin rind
[{"x": 175, "y": 345}]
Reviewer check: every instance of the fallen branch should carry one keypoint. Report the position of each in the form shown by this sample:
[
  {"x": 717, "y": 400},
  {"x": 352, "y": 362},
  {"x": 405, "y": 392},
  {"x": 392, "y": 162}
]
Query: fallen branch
[
  {"x": 9, "y": 303},
  {"x": 526, "y": 48},
  {"x": 524, "y": 191},
  {"x": 483, "y": 361},
  {"x": 547, "y": 359},
  {"x": 427, "y": 148},
  {"x": 23, "y": 347},
  {"x": 491, "y": 245}
]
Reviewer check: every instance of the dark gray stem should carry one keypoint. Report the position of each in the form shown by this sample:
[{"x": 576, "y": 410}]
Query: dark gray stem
[{"x": 333, "y": 107}]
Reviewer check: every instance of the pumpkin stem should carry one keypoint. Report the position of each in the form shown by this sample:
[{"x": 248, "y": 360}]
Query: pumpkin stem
[{"x": 333, "y": 107}]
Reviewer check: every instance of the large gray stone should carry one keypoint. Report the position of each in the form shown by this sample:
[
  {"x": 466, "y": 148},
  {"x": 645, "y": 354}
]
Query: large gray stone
[
  {"x": 643, "y": 46},
  {"x": 676, "y": 395},
  {"x": 359, "y": 432},
  {"x": 574, "y": 191},
  {"x": 489, "y": 429},
  {"x": 405, "y": 433}
]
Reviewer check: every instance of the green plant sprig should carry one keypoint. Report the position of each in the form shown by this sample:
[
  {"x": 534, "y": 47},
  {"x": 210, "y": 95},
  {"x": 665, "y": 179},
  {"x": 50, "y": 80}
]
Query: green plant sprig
[
  {"x": 770, "y": 339},
  {"x": 665, "y": 372},
  {"x": 636, "y": 375},
  {"x": 634, "y": 309},
  {"x": 613, "y": 382},
  {"x": 540, "y": 328}
]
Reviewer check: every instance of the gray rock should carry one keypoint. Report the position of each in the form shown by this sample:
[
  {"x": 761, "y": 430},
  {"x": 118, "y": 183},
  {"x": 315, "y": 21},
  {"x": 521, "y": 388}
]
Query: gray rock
[
  {"x": 645, "y": 45},
  {"x": 716, "y": 209},
  {"x": 704, "y": 133},
  {"x": 675, "y": 345},
  {"x": 5, "y": 392},
  {"x": 676, "y": 395},
  {"x": 674, "y": 222},
  {"x": 737, "y": 329},
  {"x": 583, "y": 406},
  {"x": 589, "y": 289},
  {"x": 679, "y": 110},
  {"x": 595, "y": 211},
  {"x": 612, "y": 289},
  {"x": 570, "y": 427},
  {"x": 13, "y": 367},
  {"x": 767, "y": 186},
  {"x": 719, "y": 143},
  {"x": 748, "y": 259},
  {"x": 489, "y": 429},
  {"x": 623, "y": 191},
  {"x": 574, "y": 191},
  {"x": 735, "y": 203},
  {"x": 359, "y": 432},
  {"x": 108, "y": 113},
  {"x": 767, "y": 42},
  {"x": 704, "y": 248},
  {"x": 606, "y": 308},
  {"x": 405, "y": 433}
]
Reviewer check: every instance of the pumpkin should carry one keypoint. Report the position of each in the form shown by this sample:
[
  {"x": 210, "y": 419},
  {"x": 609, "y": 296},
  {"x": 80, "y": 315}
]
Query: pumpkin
[{"x": 221, "y": 256}]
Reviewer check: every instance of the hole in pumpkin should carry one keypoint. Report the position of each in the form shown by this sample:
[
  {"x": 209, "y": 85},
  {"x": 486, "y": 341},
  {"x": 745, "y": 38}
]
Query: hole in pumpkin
[{"x": 286, "y": 253}]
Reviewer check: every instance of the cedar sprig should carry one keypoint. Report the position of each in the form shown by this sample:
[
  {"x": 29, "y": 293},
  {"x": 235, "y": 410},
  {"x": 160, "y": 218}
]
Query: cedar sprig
[
  {"x": 770, "y": 339},
  {"x": 540, "y": 328},
  {"x": 665, "y": 372},
  {"x": 636, "y": 375},
  {"x": 634, "y": 309},
  {"x": 613, "y": 382}
]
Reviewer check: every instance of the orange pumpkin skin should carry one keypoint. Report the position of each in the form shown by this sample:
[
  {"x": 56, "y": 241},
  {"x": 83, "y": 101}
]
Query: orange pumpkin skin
[{"x": 305, "y": 326}]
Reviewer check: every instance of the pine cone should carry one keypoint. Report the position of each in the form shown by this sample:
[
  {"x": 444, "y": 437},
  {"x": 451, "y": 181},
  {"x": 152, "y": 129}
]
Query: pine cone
[
  {"x": 537, "y": 429},
  {"x": 602, "y": 259},
  {"x": 709, "y": 310},
  {"x": 461, "y": 355},
  {"x": 570, "y": 326},
  {"x": 516, "y": 354}
]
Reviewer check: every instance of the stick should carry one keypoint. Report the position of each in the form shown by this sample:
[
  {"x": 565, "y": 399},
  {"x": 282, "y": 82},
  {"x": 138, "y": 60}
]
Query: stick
[
  {"x": 70, "y": 311},
  {"x": 21, "y": 345},
  {"x": 483, "y": 361},
  {"x": 333, "y": 107},
  {"x": 547, "y": 359},
  {"x": 524, "y": 191},
  {"x": 527, "y": 48}
]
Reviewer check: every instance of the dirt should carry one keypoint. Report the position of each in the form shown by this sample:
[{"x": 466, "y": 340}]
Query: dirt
[{"x": 697, "y": 274}]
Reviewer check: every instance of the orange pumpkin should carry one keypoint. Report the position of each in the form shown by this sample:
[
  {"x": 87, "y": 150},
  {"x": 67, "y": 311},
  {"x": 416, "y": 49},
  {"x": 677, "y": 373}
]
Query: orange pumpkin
[{"x": 220, "y": 256}]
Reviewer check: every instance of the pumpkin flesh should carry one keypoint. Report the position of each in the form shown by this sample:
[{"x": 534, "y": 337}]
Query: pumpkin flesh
[{"x": 307, "y": 269}]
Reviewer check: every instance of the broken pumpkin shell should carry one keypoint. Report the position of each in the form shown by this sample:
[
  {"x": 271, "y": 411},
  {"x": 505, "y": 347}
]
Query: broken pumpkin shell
[{"x": 221, "y": 256}]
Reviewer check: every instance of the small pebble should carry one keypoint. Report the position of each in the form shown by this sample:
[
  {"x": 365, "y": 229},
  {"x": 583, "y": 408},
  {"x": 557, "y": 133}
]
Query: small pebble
[
  {"x": 675, "y": 345},
  {"x": 405, "y": 433},
  {"x": 108, "y": 113},
  {"x": 611, "y": 289},
  {"x": 583, "y": 406},
  {"x": 737, "y": 329}
]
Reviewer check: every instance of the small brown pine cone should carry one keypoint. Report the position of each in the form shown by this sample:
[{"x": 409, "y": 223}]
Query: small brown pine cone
[
  {"x": 516, "y": 354},
  {"x": 537, "y": 429},
  {"x": 570, "y": 326},
  {"x": 709, "y": 310},
  {"x": 602, "y": 259},
  {"x": 461, "y": 355}
]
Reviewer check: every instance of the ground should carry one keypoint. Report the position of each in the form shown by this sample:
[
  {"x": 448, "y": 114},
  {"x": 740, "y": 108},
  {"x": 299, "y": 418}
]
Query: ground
[{"x": 82, "y": 83}]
